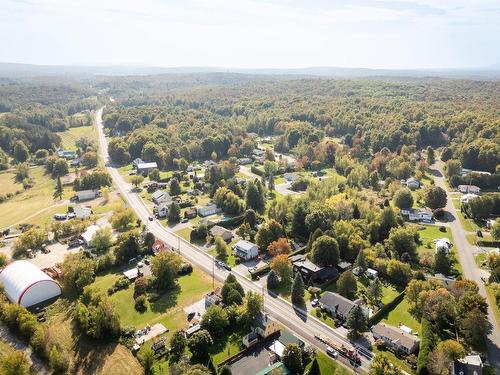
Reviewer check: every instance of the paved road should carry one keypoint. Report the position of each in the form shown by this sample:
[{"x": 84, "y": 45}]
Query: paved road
[
  {"x": 303, "y": 325},
  {"x": 471, "y": 271}
]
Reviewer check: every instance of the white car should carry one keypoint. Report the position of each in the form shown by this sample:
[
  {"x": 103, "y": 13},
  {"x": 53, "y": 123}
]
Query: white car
[
  {"x": 314, "y": 302},
  {"x": 332, "y": 352}
]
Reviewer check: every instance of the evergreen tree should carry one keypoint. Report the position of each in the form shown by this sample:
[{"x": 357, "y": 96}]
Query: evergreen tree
[
  {"x": 374, "y": 292},
  {"x": 442, "y": 263},
  {"x": 431, "y": 157},
  {"x": 355, "y": 212},
  {"x": 314, "y": 369},
  {"x": 356, "y": 321},
  {"x": 272, "y": 280},
  {"x": 255, "y": 196},
  {"x": 270, "y": 183},
  {"x": 59, "y": 189},
  {"x": 298, "y": 290},
  {"x": 211, "y": 367},
  {"x": 225, "y": 370},
  {"x": 361, "y": 261},
  {"x": 174, "y": 213}
]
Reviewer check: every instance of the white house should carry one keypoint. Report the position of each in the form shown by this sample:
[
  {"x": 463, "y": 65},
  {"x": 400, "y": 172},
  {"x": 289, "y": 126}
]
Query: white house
[
  {"x": 84, "y": 195},
  {"x": 161, "y": 196},
  {"x": 396, "y": 338},
  {"x": 371, "y": 273},
  {"x": 443, "y": 244},
  {"x": 89, "y": 234},
  {"x": 246, "y": 249},
  {"x": 466, "y": 198},
  {"x": 145, "y": 168},
  {"x": 208, "y": 210},
  {"x": 417, "y": 214},
  {"x": 473, "y": 189},
  {"x": 161, "y": 210},
  {"x": 82, "y": 212},
  {"x": 26, "y": 285}
]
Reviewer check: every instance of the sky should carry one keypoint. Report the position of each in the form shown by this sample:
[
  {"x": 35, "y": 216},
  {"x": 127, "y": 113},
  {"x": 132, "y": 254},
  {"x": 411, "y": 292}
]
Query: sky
[{"x": 402, "y": 34}]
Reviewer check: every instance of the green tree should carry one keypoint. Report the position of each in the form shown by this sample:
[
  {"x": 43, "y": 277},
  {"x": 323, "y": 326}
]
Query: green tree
[
  {"x": 102, "y": 239},
  {"x": 58, "y": 363},
  {"x": 272, "y": 280},
  {"x": 357, "y": 322},
  {"x": 398, "y": 271},
  {"x": 402, "y": 240},
  {"x": 452, "y": 168},
  {"x": 347, "y": 285},
  {"x": 474, "y": 328},
  {"x": 282, "y": 266},
  {"x": 178, "y": 343},
  {"x": 174, "y": 213},
  {"x": 22, "y": 172},
  {"x": 382, "y": 366},
  {"x": 442, "y": 357},
  {"x": 446, "y": 154},
  {"x": 255, "y": 196},
  {"x": 165, "y": 267},
  {"x": 361, "y": 261},
  {"x": 127, "y": 247},
  {"x": 253, "y": 305},
  {"x": 123, "y": 219},
  {"x": 386, "y": 221},
  {"x": 15, "y": 363},
  {"x": 154, "y": 174},
  {"x": 60, "y": 168},
  {"x": 147, "y": 358},
  {"x": 314, "y": 369},
  {"x": 225, "y": 370},
  {"x": 221, "y": 247},
  {"x": 268, "y": 233},
  {"x": 435, "y": 197},
  {"x": 199, "y": 344},
  {"x": 215, "y": 320},
  {"x": 298, "y": 291},
  {"x": 33, "y": 239},
  {"x": 403, "y": 198},
  {"x": 59, "y": 189},
  {"x": 78, "y": 271},
  {"x": 20, "y": 152},
  {"x": 299, "y": 213},
  {"x": 292, "y": 359},
  {"x": 495, "y": 230},
  {"x": 174, "y": 187},
  {"x": 325, "y": 251},
  {"x": 431, "y": 157},
  {"x": 442, "y": 263},
  {"x": 374, "y": 292},
  {"x": 137, "y": 180}
]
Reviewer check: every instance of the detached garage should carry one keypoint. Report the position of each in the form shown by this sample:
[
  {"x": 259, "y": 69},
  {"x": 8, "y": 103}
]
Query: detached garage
[{"x": 27, "y": 285}]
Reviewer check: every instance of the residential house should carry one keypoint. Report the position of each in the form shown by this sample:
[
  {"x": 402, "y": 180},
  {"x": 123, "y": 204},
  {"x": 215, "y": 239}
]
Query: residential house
[
  {"x": 343, "y": 266},
  {"x": 190, "y": 212},
  {"x": 89, "y": 234},
  {"x": 66, "y": 154},
  {"x": 137, "y": 161},
  {"x": 466, "y": 172},
  {"x": 396, "y": 338},
  {"x": 286, "y": 337},
  {"x": 244, "y": 161},
  {"x": 371, "y": 273},
  {"x": 446, "y": 281},
  {"x": 161, "y": 196},
  {"x": 469, "y": 365},
  {"x": 208, "y": 210},
  {"x": 443, "y": 244},
  {"x": 160, "y": 247},
  {"x": 161, "y": 210},
  {"x": 84, "y": 195},
  {"x": 213, "y": 298},
  {"x": 246, "y": 249},
  {"x": 264, "y": 325},
  {"x": 82, "y": 212},
  {"x": 466, "y": 198},
  {"x": 145, "y": 168},
  {"x": 472, "y": 189},
  {"x": 338, "y": 306},
  {"x": 132, "y": 273},
  {"x": 222, "y": 232},
  {"x": 291, "y": 177},
  {"x": 416, "y": 214},
  {"x": 311, "y": 271},
  {"x": 412, "y": 183}
]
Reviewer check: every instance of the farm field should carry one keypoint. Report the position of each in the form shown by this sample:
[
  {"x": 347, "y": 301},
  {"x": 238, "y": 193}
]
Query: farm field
[
  {"x": 69, "y": 136},
  {"x": 31, "y": 201}
]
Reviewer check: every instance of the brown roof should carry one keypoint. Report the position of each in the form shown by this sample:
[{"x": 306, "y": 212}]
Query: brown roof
[
  {"x": 217, "y": 230},
  {"x": 396, "y": 335}
]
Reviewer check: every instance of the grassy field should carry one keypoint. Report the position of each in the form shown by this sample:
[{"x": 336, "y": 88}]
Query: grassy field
[
  {"x": 491, "y": 297},
  {"x": 401, "y": 315},
  {"x": 190, "y": 289},
  {"x": 30, "y": 201},
  {"x": 88, "y": 356},
  {"x": 328, "y": 366},
  {"x": 69, "y": 136}
]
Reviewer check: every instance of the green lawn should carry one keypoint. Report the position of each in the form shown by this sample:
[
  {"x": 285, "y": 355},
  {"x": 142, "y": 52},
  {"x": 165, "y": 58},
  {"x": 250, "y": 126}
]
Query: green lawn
[
  {"x": 328, "y": 366},
  {"x": 69, "y": 136},
  {"x": 190, "y": 288},
  {"x": 393, "y": 359},
  {"x": 491, "y": 297},
  {"x": 480, "y": 259},
  {"x": 31, "y": 201},
  {"x": 184, "y": 233},
  {"x": 401, "y": 315}
]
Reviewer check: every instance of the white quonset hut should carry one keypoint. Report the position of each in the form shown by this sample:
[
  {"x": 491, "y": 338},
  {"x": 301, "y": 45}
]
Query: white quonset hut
[{"x": 26, "y": 285}]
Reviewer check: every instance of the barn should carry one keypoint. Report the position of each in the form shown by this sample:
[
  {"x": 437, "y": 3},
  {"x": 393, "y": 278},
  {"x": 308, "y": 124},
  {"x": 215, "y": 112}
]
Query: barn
[{"x": 27, "y": 285}]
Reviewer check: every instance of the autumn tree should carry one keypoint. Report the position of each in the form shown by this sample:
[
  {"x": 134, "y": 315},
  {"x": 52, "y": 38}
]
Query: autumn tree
[{"x": 278, "y": 247}]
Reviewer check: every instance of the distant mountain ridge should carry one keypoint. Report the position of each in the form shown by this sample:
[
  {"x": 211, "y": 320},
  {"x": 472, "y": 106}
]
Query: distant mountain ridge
[{"x": 13, "y": 70}]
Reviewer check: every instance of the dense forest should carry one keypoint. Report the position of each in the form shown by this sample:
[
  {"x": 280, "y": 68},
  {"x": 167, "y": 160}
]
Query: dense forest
[{"x": 198, "y": 115}]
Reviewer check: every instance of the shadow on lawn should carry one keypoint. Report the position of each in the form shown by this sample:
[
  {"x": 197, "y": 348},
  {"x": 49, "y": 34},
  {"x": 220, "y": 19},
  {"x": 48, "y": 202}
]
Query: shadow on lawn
[{"x": 166, "y": 300}]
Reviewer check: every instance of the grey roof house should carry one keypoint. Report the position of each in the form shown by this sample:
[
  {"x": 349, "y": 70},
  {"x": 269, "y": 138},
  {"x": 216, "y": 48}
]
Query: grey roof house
[
  {"x": 396, "y": 338},
  {"x": 338, "y": 306}
]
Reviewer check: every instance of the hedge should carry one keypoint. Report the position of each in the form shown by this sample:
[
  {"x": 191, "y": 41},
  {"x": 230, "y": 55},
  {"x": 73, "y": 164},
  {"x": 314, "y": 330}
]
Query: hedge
[
  {"x": 427, "y": 343},
  {"x": 232, "y": 222},
  {"x": 257, "y": 171},
  {"x": 387, "y": 307}
]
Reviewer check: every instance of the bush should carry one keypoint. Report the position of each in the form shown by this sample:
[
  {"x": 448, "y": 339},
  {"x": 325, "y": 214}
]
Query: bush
[
  {"x": 442, "y": 229},
  {"x": 318, "y": 313},
  {"x": 141, "y": 304},
  {"x": 122, "y": 283}
]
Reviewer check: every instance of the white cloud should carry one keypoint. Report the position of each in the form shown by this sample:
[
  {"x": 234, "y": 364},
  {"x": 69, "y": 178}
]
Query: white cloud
[{"x": 252, "y": 33}]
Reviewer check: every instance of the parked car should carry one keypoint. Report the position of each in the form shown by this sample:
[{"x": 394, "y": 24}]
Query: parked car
[
  {"x": 75, "y": 243},
  {"x": 185, "y": 220},
  {"x": 314, "y": 302}
]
